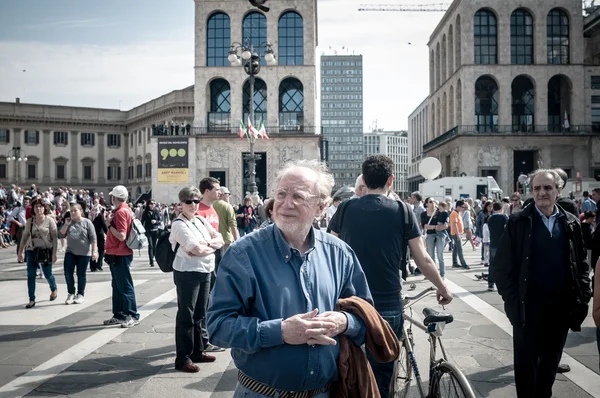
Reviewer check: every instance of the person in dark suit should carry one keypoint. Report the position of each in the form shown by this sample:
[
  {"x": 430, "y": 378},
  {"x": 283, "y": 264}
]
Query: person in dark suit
[{"x": 540, "y": 271}]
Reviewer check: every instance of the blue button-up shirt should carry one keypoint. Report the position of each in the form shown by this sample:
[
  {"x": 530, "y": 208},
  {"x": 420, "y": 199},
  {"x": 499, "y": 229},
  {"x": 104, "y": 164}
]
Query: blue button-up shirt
[
  {"x": 588, "y": 205},
  {"x": 261, "y": 281},
  {"x": 549, "y": 221}
]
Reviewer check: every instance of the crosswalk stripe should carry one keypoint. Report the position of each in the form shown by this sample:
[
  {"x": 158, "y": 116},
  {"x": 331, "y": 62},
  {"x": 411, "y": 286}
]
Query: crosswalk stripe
[{"x": 33, "y": 379}]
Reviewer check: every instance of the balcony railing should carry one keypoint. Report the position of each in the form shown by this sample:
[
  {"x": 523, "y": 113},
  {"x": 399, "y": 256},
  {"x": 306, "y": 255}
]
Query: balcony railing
[
  {"x": 271, "y": 131},
  {"x": 219, "y": 121},
  {"x": 511, "y": 130},
  {"x": 291, "y": 121},
  {"x": 258, "y": 116}
]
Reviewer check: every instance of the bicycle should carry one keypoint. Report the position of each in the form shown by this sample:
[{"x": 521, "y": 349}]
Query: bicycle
[{"x": 445, "y": 379}]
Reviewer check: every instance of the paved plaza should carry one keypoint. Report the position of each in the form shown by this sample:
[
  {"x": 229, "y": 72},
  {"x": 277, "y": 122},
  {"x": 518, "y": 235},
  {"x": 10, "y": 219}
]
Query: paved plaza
[{"x": 57, "y": 350}]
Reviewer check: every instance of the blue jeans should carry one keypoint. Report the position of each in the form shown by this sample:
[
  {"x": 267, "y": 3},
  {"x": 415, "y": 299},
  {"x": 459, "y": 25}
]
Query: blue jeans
[
  {"x": 32, "y": 268},
  {"x": 384, "y": 371},
  {"x": 435, "y": 243},
  {"x": 123, "y": 292},
  {"x": 457, "y": 252},
  {"x": 81, "y": 263},
  {"x": 243, "y": 392},
  {"x": 598, "y": 342},
  {"x": 490, "y": 276}
]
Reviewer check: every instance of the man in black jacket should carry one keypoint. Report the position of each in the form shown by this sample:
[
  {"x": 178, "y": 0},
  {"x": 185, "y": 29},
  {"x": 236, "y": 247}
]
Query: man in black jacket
[
  {"x": 151, "y": 222},
  {"x": 542, "y": 276}
]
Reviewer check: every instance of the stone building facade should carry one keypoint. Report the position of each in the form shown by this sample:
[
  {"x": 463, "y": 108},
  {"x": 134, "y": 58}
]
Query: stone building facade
[
  {"x": 87, "y": 148},
  {"x": 393, "y": 144},
  {"x": 418, "y": 133},
  {"x": 512, "y": 89},
  {"x": 284, "y": 94}
]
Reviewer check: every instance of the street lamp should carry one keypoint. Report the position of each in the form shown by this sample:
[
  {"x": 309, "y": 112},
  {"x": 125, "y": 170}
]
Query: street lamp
[
  {"x": 250, "y": 60},
  {"x": 17, "y": 155}
]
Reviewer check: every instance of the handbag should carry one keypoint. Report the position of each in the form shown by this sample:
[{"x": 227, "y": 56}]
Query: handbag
[{"x": 41, "y": 255}]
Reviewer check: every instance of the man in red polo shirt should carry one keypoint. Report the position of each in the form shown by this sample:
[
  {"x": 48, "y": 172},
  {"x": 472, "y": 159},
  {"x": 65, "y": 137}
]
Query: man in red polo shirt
[
  {"x": 210, "y": 188},
  {"x": 119, "y": 257}
]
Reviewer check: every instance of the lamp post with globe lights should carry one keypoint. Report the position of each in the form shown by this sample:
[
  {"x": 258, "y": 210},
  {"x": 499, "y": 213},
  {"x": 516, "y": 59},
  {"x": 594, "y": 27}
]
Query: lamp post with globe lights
[
  {"x": 250, "y": 60},
  {"x": 17, "y": 155}
]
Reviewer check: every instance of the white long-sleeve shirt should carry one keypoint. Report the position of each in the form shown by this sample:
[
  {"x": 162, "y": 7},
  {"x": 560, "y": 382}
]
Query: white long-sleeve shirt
[
  {"x": 188, "y": 233},
  {"x": 486, "y": 233}
]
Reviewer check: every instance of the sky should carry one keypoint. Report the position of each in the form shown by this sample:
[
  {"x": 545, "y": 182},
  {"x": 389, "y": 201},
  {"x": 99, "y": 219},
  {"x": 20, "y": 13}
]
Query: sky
[{"x": 119, "y": 54}]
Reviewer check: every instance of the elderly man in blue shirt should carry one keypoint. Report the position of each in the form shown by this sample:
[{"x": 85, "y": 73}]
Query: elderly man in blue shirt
[{"x": 275, "y": 296}]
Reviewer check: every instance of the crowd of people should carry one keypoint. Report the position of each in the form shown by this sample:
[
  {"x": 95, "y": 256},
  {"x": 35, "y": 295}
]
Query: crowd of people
[{"x": 289, "y": 283}]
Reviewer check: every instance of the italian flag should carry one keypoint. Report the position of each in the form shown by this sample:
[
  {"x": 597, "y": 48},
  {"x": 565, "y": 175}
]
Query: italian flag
[
  {"x": 242, "y": 131},
  {"x": 262, "y": 132},
  {"x": 251, "y": 129}
]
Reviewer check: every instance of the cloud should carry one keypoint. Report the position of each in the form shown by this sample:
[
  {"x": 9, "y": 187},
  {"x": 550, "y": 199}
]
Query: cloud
[{"x": 94, "y": 76}]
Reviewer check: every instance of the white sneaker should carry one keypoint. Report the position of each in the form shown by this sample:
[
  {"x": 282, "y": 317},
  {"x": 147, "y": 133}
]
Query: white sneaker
[
  {"x": 129, "y": 322},
  {"x": 78, "y": 299},
  {"x": 69, "y": 299}
]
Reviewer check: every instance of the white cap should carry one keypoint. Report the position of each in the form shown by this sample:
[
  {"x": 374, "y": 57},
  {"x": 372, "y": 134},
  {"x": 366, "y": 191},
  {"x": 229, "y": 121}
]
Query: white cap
[{"x": 119, "y": 192}]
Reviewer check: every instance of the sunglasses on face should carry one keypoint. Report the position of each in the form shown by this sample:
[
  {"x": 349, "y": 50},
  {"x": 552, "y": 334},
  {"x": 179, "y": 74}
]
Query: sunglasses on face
[{"x": 194, "y": 201}]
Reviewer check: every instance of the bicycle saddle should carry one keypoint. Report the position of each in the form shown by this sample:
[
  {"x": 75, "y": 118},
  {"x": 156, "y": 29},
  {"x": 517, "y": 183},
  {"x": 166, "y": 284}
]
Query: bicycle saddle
[{"x": 432, "y": 316}]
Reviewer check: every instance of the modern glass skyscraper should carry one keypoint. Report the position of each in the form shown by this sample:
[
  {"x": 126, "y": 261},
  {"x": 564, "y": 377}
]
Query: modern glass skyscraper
[{"x": 342, "y": 115}]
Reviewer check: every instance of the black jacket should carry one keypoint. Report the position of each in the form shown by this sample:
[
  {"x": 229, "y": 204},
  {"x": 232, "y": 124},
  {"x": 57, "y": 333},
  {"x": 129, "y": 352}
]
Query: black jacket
[
  {"x": 147, "y": 217},
  {"x": 512, "y": 263}
]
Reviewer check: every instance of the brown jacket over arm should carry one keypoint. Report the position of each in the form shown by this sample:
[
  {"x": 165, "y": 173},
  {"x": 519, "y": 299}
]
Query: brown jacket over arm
[{"x": 356, "y": 379}]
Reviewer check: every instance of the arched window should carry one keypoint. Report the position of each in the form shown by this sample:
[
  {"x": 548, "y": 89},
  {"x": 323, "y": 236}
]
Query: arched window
[
  {"x": 559, "y": 103},
  {"x": 457, "y": 56},
  {"x": 438, "y": 118},
  {"x": 451, "y": 51},
  {"x": 260, "y": 101},
  {"x": 486, "y": 38},
  {"x": 523, "y": 104},
  {"x": 438, "y": 66},
  {"x": 486, "y": 104},
  {"x": 458, "y": 121},
  {"x": 521, "y": 37},
  {"x": 254, "y": 29},
  {"x": 291, "y": 103},
  {"x": 291, "y": 39},
  {"x": 557, "y": 37},
  {"x": 451, "y": 124},
  {"x": 220, "y": 105},
  {"x": 444, "y": 113},
  {"x": 444, "y": 65},
  {"x": 218, "y": 39},
  {"x": 432, "y": 120}
]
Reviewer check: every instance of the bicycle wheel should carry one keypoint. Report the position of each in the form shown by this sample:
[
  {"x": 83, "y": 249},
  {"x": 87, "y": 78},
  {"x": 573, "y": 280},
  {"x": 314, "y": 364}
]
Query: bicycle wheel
[
  {"x": 449, "y": 382},
  {"x": 402, "y": 374}
]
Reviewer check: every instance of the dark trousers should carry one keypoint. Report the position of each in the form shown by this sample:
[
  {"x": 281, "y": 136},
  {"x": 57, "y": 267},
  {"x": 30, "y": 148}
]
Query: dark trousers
[
  {"x": 192, "y": 299},
  {"x": 97, "y": 265},
  {"x": 491, "y": 265},
  {"x": 152, "y": 239},
  {"x": 80, "y": 263},
  {"x": 32, "y": 267},
  {"x": 539, "y": 344},
  {"x": 123, "y": 292},
  {"x": 19, "y": 236},
  {"x": 384, "y": 371}
]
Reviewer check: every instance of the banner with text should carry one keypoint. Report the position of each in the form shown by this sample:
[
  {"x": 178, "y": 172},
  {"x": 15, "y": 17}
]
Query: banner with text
[{"x": 172, "y": 160}]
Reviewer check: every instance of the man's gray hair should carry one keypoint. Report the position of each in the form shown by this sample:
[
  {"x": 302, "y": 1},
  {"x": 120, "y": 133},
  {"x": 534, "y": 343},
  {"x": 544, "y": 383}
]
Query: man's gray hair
[
  {"x": 325, "y": 179},
  {"x": 558, "y": 181},
  {"x": 189, "y": 193}
]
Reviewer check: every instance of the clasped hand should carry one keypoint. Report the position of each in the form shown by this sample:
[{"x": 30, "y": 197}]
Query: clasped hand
[{"x": 311, "y": 329}]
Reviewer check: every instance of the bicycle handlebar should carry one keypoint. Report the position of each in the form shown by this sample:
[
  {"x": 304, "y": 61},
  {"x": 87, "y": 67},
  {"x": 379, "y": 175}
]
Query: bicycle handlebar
[{"x": 425, "y": 292}]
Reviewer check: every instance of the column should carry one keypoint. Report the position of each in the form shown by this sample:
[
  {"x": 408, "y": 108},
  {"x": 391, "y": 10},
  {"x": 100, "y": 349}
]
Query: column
[
  {"x": 125, "y": 169},
  {"x": 101, "y": 159},
  {"x": 74, "y": 157},
  {"x": 505, "y": 102},
  {"x": 46, "y": 161},
  {"x": 17, "y": 142}
]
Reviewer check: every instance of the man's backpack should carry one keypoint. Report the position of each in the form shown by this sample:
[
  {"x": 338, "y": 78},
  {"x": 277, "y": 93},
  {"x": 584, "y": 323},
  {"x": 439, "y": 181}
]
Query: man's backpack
[
  {"x": 164, "y": 253},
  {"x": 137, "y": 240}
]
